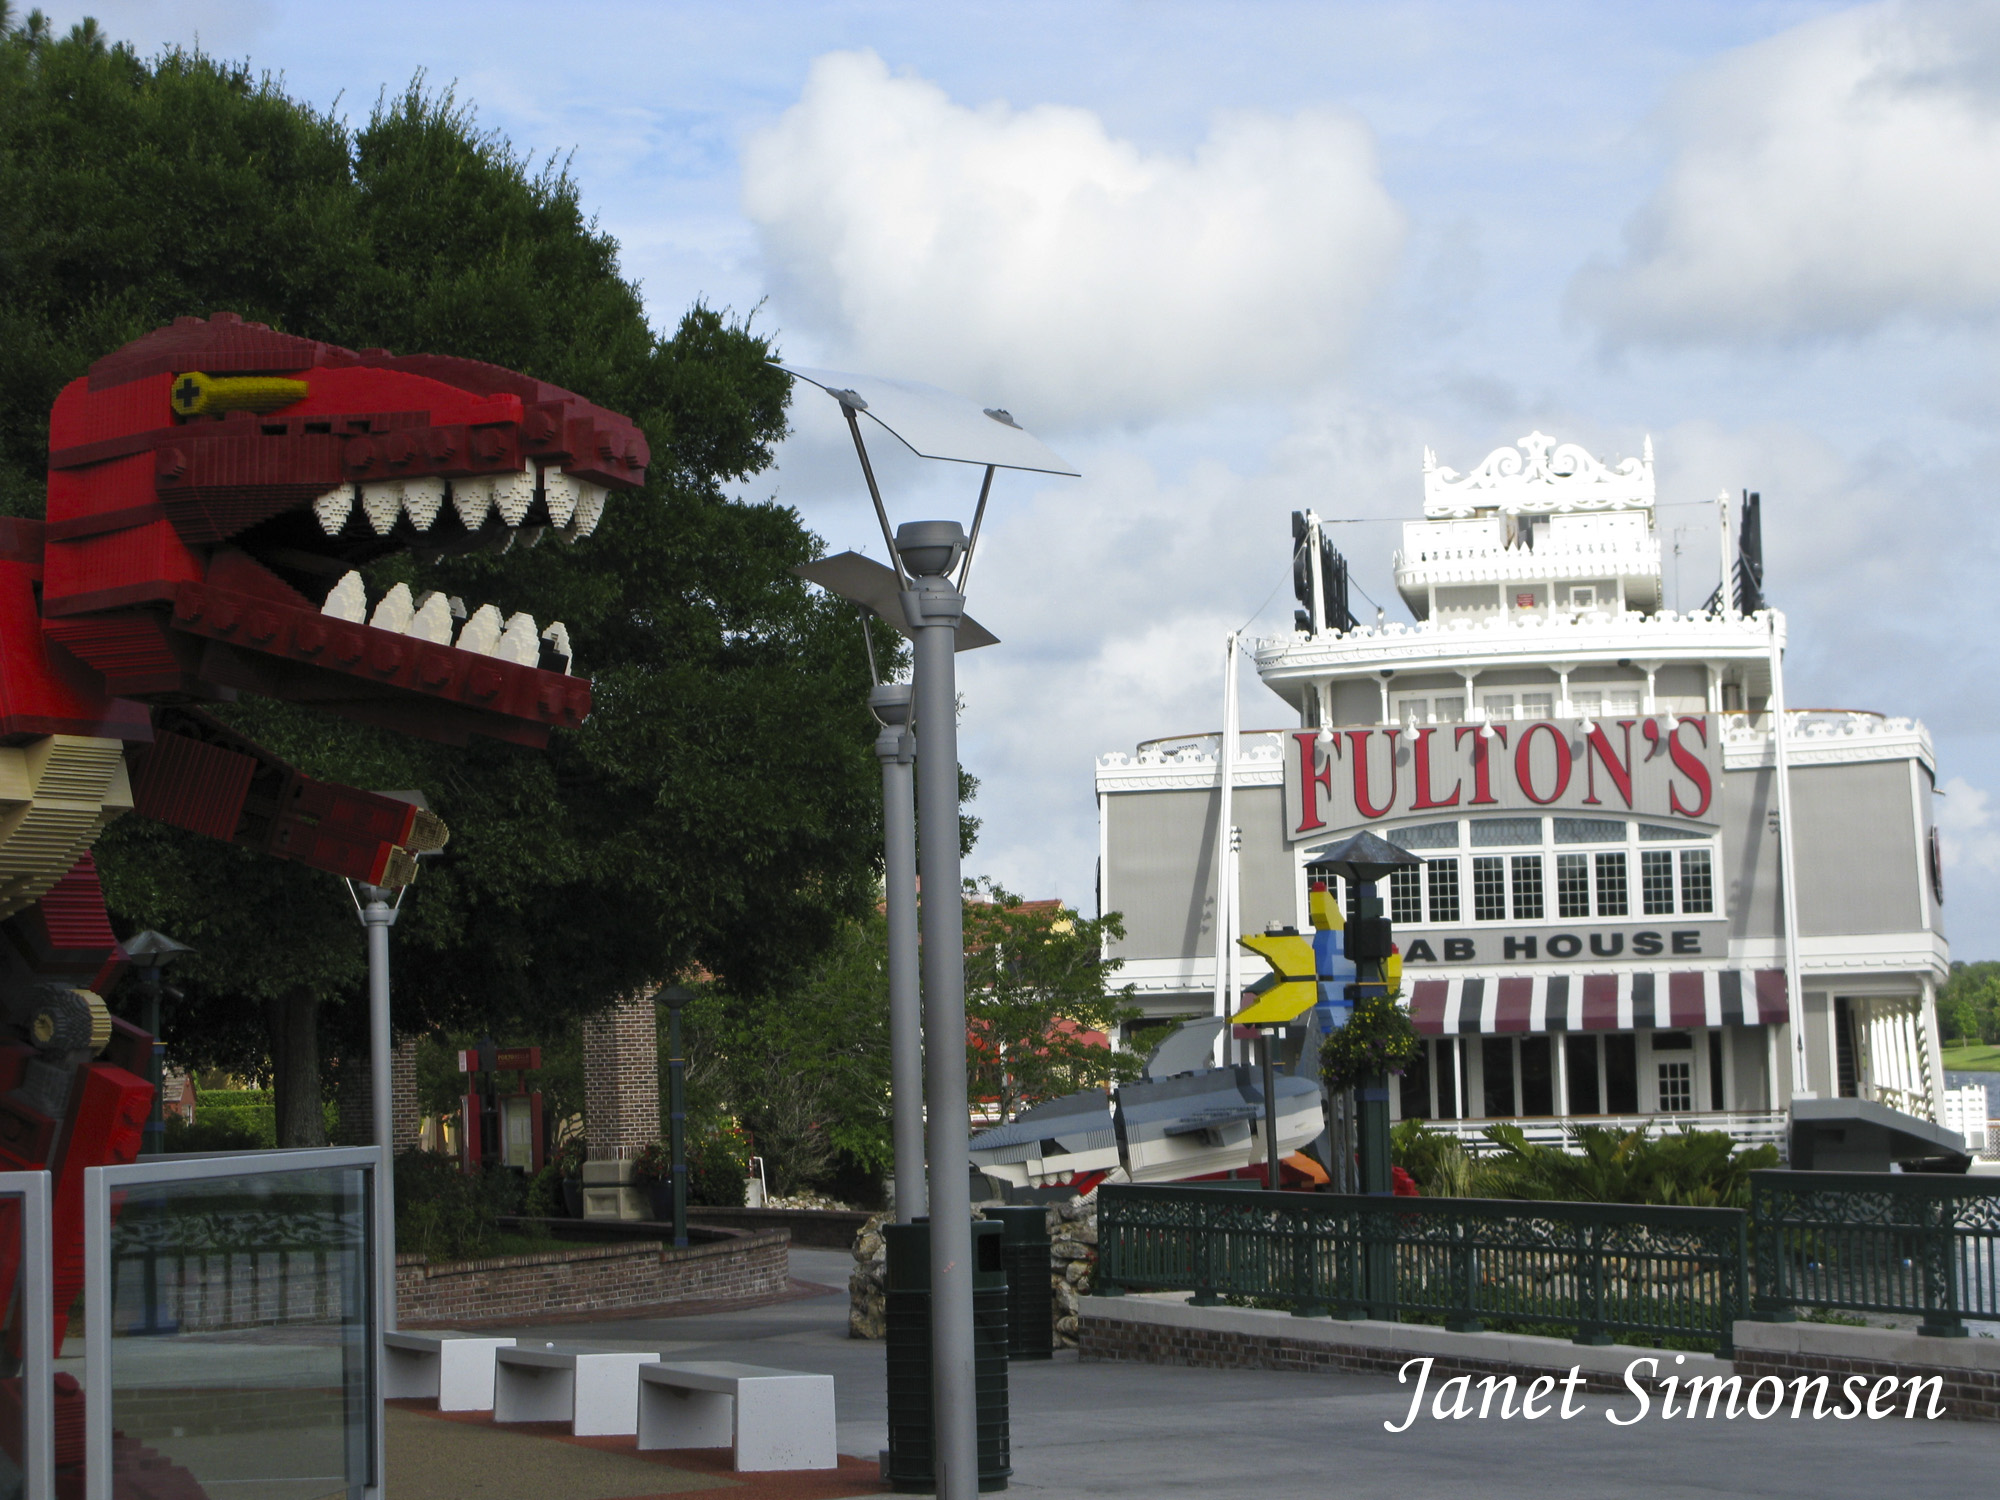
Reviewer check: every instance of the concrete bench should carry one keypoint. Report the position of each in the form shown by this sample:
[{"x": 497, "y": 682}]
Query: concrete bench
[
  {"x": 595, "y": 1390},
  {"x": 453, "y": 1369},
  {"x": 773, "y": 1419}
]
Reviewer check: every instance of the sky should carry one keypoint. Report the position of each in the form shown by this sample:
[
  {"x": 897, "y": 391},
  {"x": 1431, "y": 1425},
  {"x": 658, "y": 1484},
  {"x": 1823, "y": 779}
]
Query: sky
[{"x": 1236, "y": 260}]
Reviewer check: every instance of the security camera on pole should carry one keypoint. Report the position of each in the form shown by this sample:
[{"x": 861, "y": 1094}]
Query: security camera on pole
[{"x": 936, "y": 424}]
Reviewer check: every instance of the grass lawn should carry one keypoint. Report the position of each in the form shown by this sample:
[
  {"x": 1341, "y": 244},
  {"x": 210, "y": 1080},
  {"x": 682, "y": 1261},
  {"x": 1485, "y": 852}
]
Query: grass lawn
[{"x": 1973, "y": 1057}]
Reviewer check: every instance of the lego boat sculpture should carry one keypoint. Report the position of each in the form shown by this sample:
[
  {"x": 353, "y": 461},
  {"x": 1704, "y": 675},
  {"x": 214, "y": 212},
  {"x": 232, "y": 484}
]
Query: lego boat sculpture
[{"x": 1182, "y": 1119}]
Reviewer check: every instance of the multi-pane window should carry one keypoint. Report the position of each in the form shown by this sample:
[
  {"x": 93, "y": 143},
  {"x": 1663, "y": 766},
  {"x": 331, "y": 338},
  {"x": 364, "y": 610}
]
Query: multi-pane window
[
  {"x": 1676, "y": 1087},
  {"x": 1515, "y": 884},
  {"x": 1538, "y": 705},
  {"x": 1527, "y": 879},
  {"x": 1611, "y": 884},
  {"x": 1498, "y": 705},
  {"x": 1572, "y": 885},
  {"x": 1443, "y": 875},
  {"x": 1406, "y": 894},
  {"x": 1656, "y": 882},
  {"x": 1489, "y": 888},
  {"x": 1697, "y": 883}
]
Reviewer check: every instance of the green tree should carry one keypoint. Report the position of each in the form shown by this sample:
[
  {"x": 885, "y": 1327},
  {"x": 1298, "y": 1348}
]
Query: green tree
[
  {"x": 804, "y": 1066},
  {"x": 1968, "y": 1006},
  {"x": 719, "y": 810},
  {"x": 1037, "y": 984}
]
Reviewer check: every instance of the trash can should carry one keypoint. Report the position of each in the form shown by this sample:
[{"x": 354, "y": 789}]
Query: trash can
[
  {"x": 911, "y": 1451},
  {"x": 1031, "y": 1296}
]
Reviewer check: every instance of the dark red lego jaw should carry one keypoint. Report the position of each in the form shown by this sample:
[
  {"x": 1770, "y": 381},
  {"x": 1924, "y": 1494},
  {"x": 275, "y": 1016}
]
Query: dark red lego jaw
[{"x": 214, "y": 486}]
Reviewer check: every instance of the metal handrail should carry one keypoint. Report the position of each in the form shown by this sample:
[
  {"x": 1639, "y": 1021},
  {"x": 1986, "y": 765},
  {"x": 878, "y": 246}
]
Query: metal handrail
[
  {"x": 1904, "y": 1243},
  {"x": 1596, "y": 1269}
]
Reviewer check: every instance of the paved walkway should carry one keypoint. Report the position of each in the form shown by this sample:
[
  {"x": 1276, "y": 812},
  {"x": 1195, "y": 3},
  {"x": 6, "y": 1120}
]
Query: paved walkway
[{"x": 1112, "y": 1429}]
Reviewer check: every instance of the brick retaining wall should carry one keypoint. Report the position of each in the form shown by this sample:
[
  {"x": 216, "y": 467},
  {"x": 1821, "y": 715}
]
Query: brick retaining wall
[
  {"x": 1160, "y": 1330},
  {"x": 1969, "y": 1368},
  {"x": 590, "y": 1278},
  {"x": 1230, "y": 1338}
]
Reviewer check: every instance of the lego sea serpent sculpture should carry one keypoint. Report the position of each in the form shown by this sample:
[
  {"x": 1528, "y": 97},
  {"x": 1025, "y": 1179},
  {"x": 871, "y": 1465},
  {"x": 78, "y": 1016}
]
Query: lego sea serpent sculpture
[{"x": 214, "y": 489}]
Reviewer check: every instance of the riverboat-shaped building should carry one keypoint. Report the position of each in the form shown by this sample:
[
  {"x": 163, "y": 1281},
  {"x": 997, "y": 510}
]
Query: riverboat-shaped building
[{"x": 1636, "y": 901}]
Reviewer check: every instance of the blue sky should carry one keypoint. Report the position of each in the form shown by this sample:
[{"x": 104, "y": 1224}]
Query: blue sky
[{"x": 1238, "y": 259}]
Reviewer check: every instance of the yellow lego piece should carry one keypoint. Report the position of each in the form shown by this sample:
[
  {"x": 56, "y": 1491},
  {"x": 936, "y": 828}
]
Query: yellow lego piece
[
  {"x": 195, "y": 394},
  {"x": 1324, "y": 910}
]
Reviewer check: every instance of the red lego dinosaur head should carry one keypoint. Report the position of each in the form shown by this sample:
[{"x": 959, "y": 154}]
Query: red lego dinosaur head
[{"x": 215, "y": 485}]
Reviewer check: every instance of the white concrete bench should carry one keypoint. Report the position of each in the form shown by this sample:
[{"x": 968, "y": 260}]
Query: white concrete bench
[
  {"x": 453, "y": 1369},
  {"x": 595, "y": 1390},
  {"x": 773, "y": 1419}
]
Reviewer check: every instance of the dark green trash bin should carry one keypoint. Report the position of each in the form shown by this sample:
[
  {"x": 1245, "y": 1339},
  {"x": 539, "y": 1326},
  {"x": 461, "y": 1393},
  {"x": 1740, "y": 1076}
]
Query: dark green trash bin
[
  {"x": 1031, "y": 1294},
  {"x": 911, "y": 1467}
]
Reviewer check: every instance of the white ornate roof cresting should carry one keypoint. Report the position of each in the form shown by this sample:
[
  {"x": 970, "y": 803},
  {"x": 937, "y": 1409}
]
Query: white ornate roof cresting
[{"x": 1540, "y": 476}]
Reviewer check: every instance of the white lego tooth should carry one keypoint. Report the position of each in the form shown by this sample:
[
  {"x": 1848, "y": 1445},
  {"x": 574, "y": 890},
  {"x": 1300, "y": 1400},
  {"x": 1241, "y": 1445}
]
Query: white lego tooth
[
  {"x": 395, "y": 611},
  {"x": 519, "y": 643},
  {"x": 432, "y": 621},
  {"x": 559, "y": 493},
  {"x": 333, "y": 508},
  {"x": 481, "y": 633},
  {"x": 513, "y": 494},
  {"x": 473, "y": 500},
  {"x": 557, "y": 635},
  {"x": 590, "y": 500},
  {"x": 422, "y": 500},
  {"x": 382, "y": 502},
  {"x": 347, "y": 600}
]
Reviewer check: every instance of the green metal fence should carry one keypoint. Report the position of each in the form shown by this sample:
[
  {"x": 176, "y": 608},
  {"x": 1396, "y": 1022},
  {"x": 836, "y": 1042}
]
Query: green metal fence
[
  {"x": 1908, "y": 1243},
  {"x": 1593, "y": 1269}
]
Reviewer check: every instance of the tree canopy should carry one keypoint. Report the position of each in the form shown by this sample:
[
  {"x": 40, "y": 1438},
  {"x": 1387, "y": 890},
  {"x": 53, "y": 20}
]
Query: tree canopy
[{"x": 719, "y": 810}]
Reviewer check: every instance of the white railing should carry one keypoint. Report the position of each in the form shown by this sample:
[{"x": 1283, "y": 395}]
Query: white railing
[
  {"x": 1747, "y": 1127},
  {"x": 1532, "y": 632}
]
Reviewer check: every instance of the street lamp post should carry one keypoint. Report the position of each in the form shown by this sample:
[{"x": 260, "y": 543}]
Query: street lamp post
[
  {"x": 378, "y": 914},
  {"x": 149, "y": 952},
  {"x": 931, "y": 604},
  {"x": 675, "y": 996},
  {"x": 378, "y": 906},
  {"x": 896, "y": 748},
  {"x": 1362, "y": 861}
]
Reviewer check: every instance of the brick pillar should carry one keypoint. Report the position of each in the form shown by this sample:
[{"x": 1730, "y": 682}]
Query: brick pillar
[
  {"x": 403, "y": 1113},
  {"x": 621, "y": 1102},
  {"x": 354, "y": 1100}
]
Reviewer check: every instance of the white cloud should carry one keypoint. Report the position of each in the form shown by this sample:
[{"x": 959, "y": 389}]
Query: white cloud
[
  {"x": 1966, "y": 827},
  {"x": 1031, "y": 257},
  {"x": 1831, "y": 179}
]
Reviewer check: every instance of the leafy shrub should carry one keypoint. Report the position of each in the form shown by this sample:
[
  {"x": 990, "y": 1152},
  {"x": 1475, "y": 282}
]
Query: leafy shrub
[
  {"x": 544, "y": 1196},
  {"x": 1377, "y": 1039},
  {"x": 718, "y": 1162},
  {"x": 653, "y": 1164},
  {"x": 207, "y": 1134},
  {"x": 444, "y": 1213},
  {"x": 1434, "y": 1158}
]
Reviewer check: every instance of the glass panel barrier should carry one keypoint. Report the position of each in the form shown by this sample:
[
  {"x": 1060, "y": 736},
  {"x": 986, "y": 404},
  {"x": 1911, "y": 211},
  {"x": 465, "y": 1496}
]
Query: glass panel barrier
[
  {"x": 27, "y": 1355},
  {"x": 231, "y": 1324}
]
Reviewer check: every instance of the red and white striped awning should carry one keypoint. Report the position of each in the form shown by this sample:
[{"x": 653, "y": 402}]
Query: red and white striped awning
[{"x": 1473, "y": 1005}]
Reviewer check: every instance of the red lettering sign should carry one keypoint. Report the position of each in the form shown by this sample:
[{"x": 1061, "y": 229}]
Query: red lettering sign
[
  {"x": 1689, "y": 765},
  {"x": 1311, "y": 781},
  {"x": 1359, "y": 739},
  {"x": 1482, "y": 761},
  {"x": 1597, "y": 747},
  {"x": 1421, "y": 755},
  {"x": 1524, "y": 776}
]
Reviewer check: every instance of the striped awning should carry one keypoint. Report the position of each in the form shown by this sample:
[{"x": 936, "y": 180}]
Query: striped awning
[{"x": 1472, "y": 1005}]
